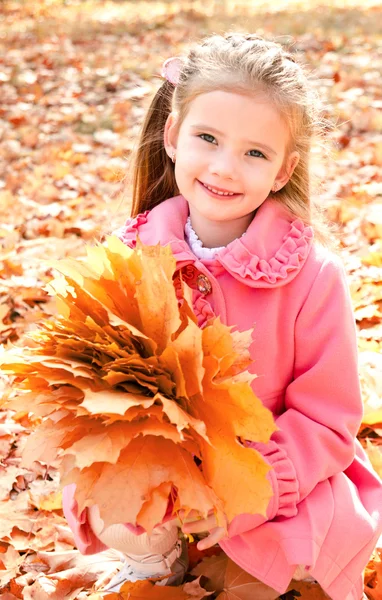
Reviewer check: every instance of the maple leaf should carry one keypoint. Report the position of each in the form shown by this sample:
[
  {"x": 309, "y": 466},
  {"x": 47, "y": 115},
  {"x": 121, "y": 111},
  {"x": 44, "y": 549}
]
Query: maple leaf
[
  {"x": 129, "y": 389},
  {"x": 155, "y": 507},
  {"x": 195, "y": 555},
  {"x": 65, "y": 574},
  {"x": 307, "y": 590},
  {"x": 142, "y": 466},
  {"x": 146, "y": 590},
  {"x": 10, "y": 562},
  {"x": 231, "y": 581},
  {"x": 194, "y": 589}
]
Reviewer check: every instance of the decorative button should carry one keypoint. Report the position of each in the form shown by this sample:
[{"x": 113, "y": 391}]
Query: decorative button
[{"x": 204, "y": 284}]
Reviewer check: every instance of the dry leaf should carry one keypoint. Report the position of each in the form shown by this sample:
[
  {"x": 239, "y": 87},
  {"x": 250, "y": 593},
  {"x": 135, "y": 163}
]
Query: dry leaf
[
  {"x": 145, "y": 590},
  {"x": 194, "y": 590},
  {"x": 68, "y": 573},
  {"x": 10, "y": 562},
  {"x": 144, "y": 465},
  {"x": 231, "y": 581},
  {"x": 307, "y": 590}
]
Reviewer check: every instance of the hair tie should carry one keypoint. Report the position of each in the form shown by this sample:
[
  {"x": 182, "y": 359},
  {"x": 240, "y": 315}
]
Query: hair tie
[{"x": 171, "y": 69}]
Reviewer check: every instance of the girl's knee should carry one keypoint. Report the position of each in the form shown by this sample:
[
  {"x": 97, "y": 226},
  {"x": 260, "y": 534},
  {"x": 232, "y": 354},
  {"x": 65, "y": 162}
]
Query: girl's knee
[{"x": 131, "y": 540}]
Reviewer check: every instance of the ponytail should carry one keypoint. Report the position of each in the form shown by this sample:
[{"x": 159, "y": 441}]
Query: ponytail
[{"x": 153, "y": 170}]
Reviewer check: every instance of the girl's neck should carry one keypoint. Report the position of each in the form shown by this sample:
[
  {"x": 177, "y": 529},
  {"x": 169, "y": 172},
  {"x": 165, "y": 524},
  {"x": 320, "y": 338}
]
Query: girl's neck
[{"x": 214, "y": 234}]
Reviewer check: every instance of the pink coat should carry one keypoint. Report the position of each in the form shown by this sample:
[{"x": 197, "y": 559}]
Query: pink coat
[{"x": 327, "y": 504}]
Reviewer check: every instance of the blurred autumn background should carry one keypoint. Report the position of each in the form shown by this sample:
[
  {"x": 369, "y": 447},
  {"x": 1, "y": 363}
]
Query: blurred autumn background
[{"x": 75, "y": 79}]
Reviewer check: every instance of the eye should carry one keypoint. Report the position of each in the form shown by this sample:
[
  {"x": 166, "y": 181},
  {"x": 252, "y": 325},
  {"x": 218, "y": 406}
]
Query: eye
[
  {"x": 207, "y": 137},
  {"x": 259, "y": 154}
]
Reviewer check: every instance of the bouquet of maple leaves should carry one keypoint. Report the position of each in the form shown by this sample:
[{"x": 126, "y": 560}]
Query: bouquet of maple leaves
[{"x": 135, "y": 401}]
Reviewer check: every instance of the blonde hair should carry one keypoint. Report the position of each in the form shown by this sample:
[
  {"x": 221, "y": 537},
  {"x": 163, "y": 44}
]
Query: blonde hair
[{"x": 243, "y": 63}]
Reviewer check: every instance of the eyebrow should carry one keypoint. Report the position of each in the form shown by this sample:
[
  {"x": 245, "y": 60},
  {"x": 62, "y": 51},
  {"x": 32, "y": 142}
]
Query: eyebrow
[{"x": 260, "y": 145}]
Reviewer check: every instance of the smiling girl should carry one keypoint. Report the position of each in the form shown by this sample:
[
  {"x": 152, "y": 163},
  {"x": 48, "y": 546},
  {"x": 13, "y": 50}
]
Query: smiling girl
[
  {"x": 222, "y": 175},
  {"x": 231, "y": 149}
]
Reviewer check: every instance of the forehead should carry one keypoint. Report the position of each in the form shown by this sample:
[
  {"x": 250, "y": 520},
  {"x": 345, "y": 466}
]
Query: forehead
[{"x": 239, "y": 116}]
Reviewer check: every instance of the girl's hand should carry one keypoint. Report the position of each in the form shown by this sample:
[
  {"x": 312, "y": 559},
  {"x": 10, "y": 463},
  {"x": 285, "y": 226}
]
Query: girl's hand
[{"x": 216, "y": 532}]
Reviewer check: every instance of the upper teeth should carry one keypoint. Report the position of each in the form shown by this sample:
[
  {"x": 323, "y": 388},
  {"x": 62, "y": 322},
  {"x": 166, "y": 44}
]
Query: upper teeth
[{"x": 217, "y": 192}]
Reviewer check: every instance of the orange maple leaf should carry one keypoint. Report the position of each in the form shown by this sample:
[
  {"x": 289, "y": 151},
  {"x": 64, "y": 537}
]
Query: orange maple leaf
[
  {"x": 146, "y": 590},
  {"x": 130, "y": 390}
]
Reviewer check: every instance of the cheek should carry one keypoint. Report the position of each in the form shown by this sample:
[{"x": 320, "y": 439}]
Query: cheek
[
  {"x": 186, "y": 171},
  {"x": 189, "y": 161},
  {"x": 260, "y": 171}
]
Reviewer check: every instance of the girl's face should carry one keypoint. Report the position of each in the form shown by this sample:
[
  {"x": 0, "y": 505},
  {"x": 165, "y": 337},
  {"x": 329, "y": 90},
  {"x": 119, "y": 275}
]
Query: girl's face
[{"x": 235, "y": 144}]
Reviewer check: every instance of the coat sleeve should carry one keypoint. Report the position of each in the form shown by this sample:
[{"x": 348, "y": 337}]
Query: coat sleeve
[
  {"x": 128, "y": 232},
  {"x": 85, "y": 539},
  {"x": 323, "y": 404}
]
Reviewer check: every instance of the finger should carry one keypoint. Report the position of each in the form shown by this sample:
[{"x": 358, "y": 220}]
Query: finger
[
  {"x": 215, "y": 536},
  {"x": 200, "y": 526},
  {"x": 195, "y": 526},
  {"x": 192, "y": 514}
]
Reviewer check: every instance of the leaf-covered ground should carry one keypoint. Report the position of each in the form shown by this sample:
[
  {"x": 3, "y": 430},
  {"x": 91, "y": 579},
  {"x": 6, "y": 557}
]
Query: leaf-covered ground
[{"x": 75, "y": 80}]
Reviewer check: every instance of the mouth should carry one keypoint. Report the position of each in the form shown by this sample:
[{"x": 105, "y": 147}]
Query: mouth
[{"x": 218, "y": 192}]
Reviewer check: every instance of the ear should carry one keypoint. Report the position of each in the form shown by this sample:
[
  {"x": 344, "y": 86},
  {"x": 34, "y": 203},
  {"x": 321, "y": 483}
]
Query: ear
[
  {"x": 170, "y": 134},
  {"x": 287, "y": 169}
]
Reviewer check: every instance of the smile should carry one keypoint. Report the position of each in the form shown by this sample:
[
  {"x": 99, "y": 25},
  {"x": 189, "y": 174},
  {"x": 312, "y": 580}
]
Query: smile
[{"x": 218, "y": 192}]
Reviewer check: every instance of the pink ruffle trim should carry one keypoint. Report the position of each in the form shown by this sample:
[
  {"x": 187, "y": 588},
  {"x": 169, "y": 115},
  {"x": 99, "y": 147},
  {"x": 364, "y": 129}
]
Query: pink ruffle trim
[
  {"x": 201, "y": 307},
  {"x": 290, "y": 256},
  {"x": 284, "y": 480},
  {"x": 128, "y": 232}
]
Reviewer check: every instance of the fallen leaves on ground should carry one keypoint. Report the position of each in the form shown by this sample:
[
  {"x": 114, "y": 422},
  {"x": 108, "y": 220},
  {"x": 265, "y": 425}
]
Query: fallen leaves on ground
[
  {"x": 146, "y": 590},
  {"x": 230, "y": 581},
  {"x": 76, "y": 79},
  {"x": 304, "y": 590}
]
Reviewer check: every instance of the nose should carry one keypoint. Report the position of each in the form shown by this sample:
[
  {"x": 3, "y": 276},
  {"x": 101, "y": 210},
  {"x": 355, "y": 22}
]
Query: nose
[{"x": 223, "y": 165}]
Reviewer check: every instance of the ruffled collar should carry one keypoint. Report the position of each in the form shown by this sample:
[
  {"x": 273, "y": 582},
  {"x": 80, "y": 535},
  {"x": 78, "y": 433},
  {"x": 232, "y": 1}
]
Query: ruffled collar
[
  {"x": 272, "y": 252},
  {"x": 196, "y": 244}
]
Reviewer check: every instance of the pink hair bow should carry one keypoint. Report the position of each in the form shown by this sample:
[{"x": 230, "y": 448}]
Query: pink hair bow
[{"x": 171, "y": 69}]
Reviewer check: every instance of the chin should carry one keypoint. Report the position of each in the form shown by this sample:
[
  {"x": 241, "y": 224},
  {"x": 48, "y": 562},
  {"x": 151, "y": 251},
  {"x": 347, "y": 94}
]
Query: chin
[{"x": 213, "y": 215}]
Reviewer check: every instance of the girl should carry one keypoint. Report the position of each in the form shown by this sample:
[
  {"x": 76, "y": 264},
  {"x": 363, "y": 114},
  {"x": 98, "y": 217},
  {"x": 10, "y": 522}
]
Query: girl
[{"x": 222, "y": 175}]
